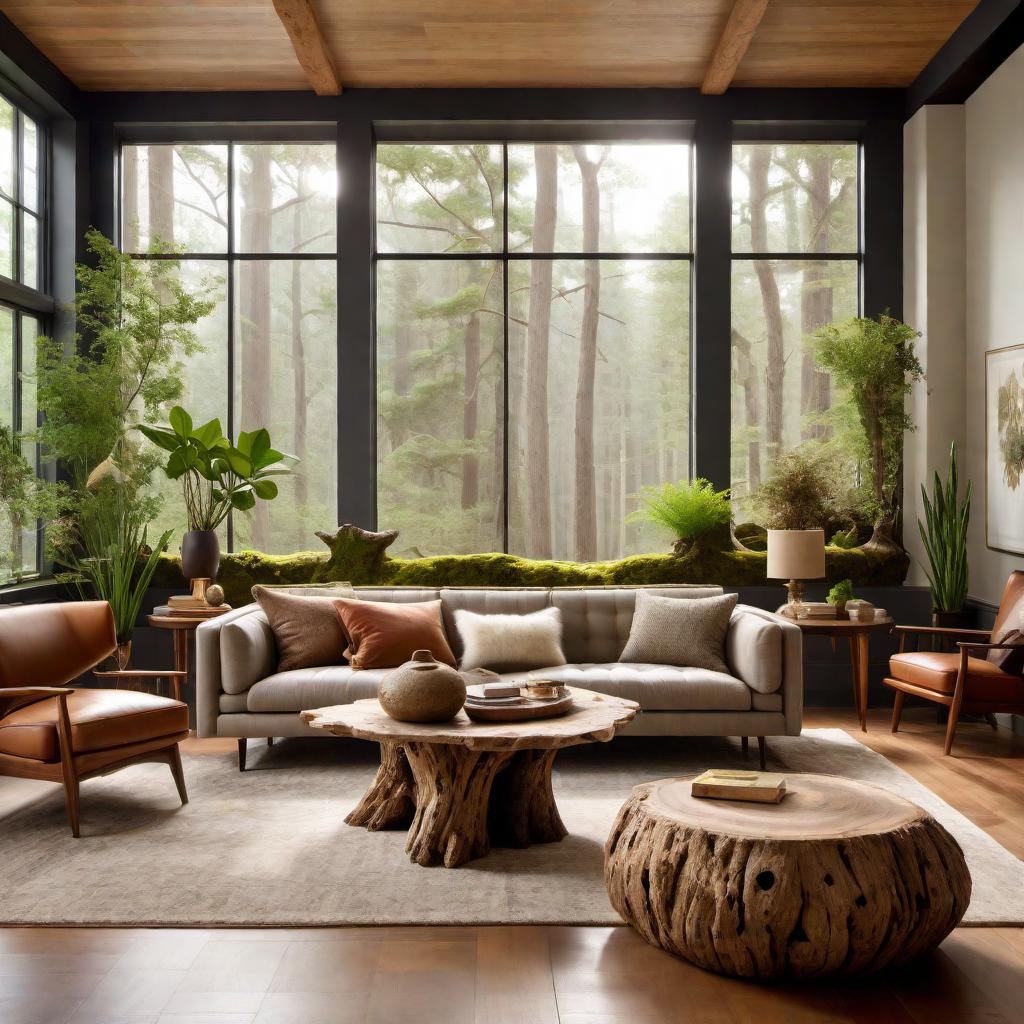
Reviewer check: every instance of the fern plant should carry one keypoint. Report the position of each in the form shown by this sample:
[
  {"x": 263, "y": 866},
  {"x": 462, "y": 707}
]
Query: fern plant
[
  {"x": 944, "y": 534},
  {"x": 688, "y": 509}
]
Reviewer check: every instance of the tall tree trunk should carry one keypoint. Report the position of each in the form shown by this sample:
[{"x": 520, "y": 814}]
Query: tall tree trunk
[
  {"x": 254, "y": 305},
  {"x": 130, "y": 199},
  {"x": 299, "y": 399},
  {"x": 747, "y": 379},
  {"x": 586, "y": 487},
  {"x": 470, "y": 404},
  {"x": 816, "y": 303},
  {"x": 775, "y": 371},
  {"x": 538, "y": 467},
  {"x": 161, "y": 194}
]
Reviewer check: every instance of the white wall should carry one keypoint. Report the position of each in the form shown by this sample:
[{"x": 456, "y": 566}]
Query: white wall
[
  {"x": 994, "y": 146},
  {"x": 933, "y": 302}
]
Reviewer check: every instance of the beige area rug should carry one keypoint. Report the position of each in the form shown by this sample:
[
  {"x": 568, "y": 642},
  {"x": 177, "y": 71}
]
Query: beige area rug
[{"x": 269, "y": 847}]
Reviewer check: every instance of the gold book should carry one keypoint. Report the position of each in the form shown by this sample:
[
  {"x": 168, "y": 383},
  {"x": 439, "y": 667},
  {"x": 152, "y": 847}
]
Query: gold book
[{"x": 726, "y": 784}]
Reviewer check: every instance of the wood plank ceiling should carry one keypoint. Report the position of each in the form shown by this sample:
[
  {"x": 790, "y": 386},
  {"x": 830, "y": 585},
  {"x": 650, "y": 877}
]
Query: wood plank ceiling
[{"x": 243, "y": 44}]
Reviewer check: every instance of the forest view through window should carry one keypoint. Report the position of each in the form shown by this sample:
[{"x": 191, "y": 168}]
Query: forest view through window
[
  {"x": 795, "y": 267},
  {"x": 533, "y": 356},
  {"x": 257, "y": 221}
]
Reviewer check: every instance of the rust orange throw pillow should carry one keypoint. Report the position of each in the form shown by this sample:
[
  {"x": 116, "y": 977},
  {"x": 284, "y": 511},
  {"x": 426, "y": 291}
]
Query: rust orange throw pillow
[{"x": 382, "y": 635}]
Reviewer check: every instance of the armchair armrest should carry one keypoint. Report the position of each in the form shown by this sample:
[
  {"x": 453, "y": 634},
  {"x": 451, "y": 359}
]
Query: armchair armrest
[
  {"x": 940, "y": 631},
  {"x": 63, "y": 718},
  {"x": 33, "y": 691},
  {"x": 985, "y": 647}
]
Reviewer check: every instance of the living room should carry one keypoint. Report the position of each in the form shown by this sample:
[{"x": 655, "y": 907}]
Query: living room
[{"x": 511, "y": 512}]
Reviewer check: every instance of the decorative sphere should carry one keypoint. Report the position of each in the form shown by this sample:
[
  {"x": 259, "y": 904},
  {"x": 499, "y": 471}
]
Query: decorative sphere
[
  {"x": 422, "y": 690},
  {"x": 215, "y": 595}
]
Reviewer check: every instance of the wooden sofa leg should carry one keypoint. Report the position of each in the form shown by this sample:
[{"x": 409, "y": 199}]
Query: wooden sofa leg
[
  {"x": 241, "y": 755},
  {"x": 270, "y": 741},
  {"x": 762, "y": 750},
  {"x": 178, "y": 773},
  {"x": 897, "y": 710},
  {"x": 745, "y": 746}
]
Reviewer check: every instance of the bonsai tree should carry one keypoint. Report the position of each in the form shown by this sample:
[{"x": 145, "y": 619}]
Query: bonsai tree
[
  {"x": 804, "y": 492},
  {"x": 944, "y": 535},
  {"x": 874, "y": 361},
  {"x": 688, "y": 509},
  {"x": 135, "y": 324},
  {"x": 217, "y": 476}
]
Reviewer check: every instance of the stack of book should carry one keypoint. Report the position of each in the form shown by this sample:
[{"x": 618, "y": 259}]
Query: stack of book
[
  {"x": 754, "y": 787},
  {"x": 819, "y": 610},
  {"x": 187, "y": 607}
]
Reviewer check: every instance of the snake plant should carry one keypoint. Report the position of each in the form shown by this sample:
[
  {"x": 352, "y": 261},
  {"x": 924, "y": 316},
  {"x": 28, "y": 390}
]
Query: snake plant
[{"x": 944, "y": 533}]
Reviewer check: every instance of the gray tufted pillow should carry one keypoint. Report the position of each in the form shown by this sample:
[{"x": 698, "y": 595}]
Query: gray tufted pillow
[{"x": 686, "y": 632}]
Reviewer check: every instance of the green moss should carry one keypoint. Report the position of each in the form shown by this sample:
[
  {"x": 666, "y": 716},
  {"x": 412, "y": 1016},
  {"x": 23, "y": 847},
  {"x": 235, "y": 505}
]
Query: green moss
[{"x": 704, "y": 563}]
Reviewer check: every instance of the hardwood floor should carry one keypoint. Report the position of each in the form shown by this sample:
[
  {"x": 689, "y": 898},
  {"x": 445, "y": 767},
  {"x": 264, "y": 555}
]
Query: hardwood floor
[{"x": 526, "y": 975}]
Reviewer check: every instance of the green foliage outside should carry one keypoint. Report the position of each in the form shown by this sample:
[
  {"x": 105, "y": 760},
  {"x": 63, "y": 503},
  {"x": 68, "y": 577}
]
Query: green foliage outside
[
  {"x": 17, "y": 498},
  {"x": 944, "y": 534},
  {"x": 687, "y": 509},
  {"x": 216, "y": 475},
  {"x": 805, "y": 492}
]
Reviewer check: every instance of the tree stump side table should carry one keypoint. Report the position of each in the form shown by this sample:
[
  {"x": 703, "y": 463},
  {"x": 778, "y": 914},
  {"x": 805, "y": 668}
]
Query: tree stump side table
[
  {"x": 460, "y": 786},
  {"x": 840, "y": 878}
]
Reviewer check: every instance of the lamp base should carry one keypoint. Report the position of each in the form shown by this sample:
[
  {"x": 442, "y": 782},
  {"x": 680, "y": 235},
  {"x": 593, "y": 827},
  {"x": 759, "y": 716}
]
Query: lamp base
[{"x": 795, "y": 600}]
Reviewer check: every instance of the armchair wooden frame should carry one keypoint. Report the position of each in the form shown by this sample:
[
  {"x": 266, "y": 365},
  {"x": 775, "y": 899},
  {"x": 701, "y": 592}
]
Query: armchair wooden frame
[
  {"x": 73, "y": 768},
  {"x": 978, "y": 639}
]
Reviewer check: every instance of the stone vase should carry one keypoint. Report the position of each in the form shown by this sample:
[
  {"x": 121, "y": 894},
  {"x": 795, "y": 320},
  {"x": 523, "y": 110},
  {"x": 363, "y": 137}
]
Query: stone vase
[{"x": 422, "y": 690}]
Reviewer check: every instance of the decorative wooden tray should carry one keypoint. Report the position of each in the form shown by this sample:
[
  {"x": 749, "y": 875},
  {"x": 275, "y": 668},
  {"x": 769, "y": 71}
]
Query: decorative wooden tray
[{"x": 529, "y": 708}]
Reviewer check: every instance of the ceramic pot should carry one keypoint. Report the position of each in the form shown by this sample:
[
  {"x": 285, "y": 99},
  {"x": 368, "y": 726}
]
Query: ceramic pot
[
  {"x": 422, "y": 690},
  {"x": 123, "y": 655},
  {"x": 963, "y": 619},
  {"x": 200, "y": 555}
]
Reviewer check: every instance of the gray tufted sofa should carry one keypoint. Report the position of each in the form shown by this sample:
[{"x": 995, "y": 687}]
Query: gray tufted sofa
[{"x": 241, "y": 694}]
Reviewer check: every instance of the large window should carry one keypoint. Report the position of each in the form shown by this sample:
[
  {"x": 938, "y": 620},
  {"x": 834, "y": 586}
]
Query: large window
[
  {"x": 258, "y": 222},
  {"x": 22, "y": 266},
  {"x": 532, "y": 343},
  {"x": 796, "y": 266}
]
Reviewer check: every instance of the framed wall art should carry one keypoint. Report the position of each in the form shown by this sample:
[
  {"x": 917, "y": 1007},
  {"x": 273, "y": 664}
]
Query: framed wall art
[{"x": 1004, "y": 449}]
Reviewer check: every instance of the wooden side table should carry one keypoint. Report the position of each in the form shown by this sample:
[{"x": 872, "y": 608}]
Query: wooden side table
[
  {"x": 180, "y": 626},
  {"x": 859, "y": 634},
  {"x": 129, "y": 675}
]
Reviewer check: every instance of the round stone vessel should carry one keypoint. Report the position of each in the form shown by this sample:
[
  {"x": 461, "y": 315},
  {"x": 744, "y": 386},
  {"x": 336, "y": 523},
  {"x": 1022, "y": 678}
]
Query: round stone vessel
[{"x": 422, "y": 690}]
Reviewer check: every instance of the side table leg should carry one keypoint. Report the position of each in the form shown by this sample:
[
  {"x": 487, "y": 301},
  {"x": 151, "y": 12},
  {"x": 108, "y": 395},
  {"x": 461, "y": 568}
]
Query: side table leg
[
  {"x": 391, "y": 801},
  {"x": 453, "y": 789},
  {"x": 523, "y": 809},
  {"x": 863, "y": 653}
]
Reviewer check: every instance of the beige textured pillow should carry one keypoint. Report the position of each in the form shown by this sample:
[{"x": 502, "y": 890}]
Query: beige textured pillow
[
  {"x": 511, "y": 643},
  {"x": 689, "y": 632},
  {"x": 305, "y": 626},
  {"x": 336, "y": 588}
]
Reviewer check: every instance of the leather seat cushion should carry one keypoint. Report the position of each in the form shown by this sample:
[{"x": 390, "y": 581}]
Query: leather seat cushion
[
  {"x": 100, "y": 719},
  {"x": 305, "y": 688},
  {"x": 938, "y": 672},
  {"x": 653, "y": 687}
]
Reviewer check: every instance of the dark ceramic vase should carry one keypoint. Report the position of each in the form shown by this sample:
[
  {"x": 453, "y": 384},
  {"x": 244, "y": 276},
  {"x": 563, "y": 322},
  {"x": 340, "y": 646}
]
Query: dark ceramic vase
[
  {"x": 963, "y": 619},
  {"x": 200, "y": 555}
]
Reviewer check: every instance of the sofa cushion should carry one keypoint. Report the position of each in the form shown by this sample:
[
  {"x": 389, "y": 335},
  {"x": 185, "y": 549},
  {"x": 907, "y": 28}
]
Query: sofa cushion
[
  {"x": 753, "y": 651},
  {"x": 595, "y": 622},
  {"x": 305, "y": 626},
  {"x": 669, "y": 632},
  {"x": 653, "y": 687},
  {"x": 306, "y": 688},
  {"x": 383, "y": 635},
  {"x": 248, "y": 652},
  {"x": 485, "y": 601},
  {"x": 937, "y": 671},
  {"x": 510, "y": 643},
  {"x": 100, "y": 720}
]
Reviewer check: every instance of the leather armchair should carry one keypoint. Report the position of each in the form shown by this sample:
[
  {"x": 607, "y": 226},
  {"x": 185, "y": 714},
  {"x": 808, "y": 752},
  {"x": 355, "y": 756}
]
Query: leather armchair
[
  {"x": 964, "y": 680},
  {"x": 63, "y": 735}
]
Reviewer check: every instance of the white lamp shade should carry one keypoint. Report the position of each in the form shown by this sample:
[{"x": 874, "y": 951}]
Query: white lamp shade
[{"x": 796, "y": 554}]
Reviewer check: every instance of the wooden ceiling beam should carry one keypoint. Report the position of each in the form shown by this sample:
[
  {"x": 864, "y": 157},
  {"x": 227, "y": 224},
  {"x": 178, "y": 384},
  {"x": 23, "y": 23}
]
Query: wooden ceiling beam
[
  {"x": 303, "y": 27},
  {"x": 743, "y": 20}
]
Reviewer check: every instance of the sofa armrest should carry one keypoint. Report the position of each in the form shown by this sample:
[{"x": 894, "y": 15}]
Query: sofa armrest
[
  {"x": 787, "y": 673},
  {"x": 243, "y": 631}
]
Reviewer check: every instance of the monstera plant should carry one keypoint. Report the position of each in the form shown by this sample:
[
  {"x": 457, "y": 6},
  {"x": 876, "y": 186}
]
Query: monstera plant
[{"x": 216, "y": 476}]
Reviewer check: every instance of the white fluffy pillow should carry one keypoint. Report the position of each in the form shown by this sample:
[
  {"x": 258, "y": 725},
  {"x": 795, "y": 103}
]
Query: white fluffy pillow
[{"x": 511, "y": 643}]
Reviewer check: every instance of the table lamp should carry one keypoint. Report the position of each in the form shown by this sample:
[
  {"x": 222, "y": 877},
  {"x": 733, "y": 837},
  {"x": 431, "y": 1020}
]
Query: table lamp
[{"x": 796, "y": 555}]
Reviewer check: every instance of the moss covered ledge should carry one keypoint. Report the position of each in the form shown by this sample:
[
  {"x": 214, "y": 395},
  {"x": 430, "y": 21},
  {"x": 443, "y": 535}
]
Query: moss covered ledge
[{"x": 707, "y": 562}]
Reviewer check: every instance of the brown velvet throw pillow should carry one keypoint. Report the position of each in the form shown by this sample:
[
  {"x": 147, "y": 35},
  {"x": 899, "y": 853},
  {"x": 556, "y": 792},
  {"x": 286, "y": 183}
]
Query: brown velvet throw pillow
[
  {"x": 382, "y": 634},
  {"x": 305, "y": 627},
  {"x": 1009, "y": 659}
]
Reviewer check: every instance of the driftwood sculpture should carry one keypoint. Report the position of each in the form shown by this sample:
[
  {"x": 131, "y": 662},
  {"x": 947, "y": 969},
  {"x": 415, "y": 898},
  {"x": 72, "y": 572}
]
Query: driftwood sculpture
[{"x": 357, "y": 555}]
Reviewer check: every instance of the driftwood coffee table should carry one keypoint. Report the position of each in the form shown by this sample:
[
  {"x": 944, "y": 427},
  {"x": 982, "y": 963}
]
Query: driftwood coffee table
[
  {"x": 839, "y": 878},
  {"x": 461, "y": 786}
]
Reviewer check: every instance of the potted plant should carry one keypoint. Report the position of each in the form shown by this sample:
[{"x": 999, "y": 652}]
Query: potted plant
[
  {"x": 688, "y": 509},
  {"x": 216, "y": 476},
  {"x": 839, "y": 595},
  {"x": 874, "y": 361},
  {"x": 944, "y": 535}
]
